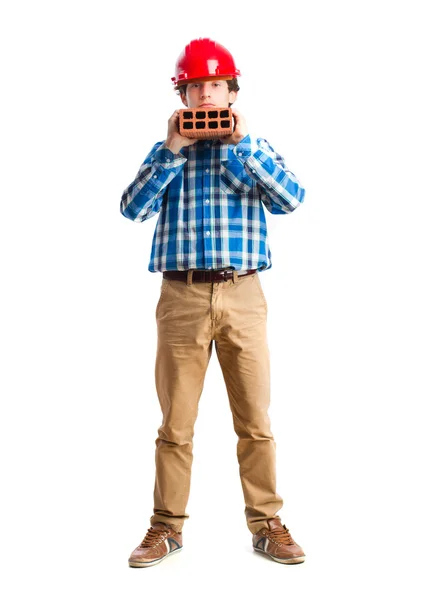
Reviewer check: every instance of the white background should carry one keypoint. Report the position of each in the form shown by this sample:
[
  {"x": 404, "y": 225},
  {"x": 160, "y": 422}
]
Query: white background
[{"x": 335, "y": 88}]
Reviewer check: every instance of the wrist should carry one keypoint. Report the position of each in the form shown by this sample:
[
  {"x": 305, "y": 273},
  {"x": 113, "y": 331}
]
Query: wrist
[
  {"x": 239, "y": 138},
  {"x": 173, "y": 145}
]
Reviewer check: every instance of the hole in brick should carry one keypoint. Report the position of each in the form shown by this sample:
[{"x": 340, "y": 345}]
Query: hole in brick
[
  {"x": 187, "y": 115},
  {"x": 200, "y": 125},
  {"x": 213, "y": 114},
  {"x": 201, "y": 115},
  {"x": 213, "y": 124},
  {"x": 187, "y": 125},
  {"x": 225, "y": 124},
  {"x": 225, "y": 113}
]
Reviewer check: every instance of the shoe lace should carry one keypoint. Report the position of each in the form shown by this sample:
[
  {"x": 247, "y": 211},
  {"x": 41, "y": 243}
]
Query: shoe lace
[
  {"x": 154, "y": 537},
  {"x": 281, "y": 536}
]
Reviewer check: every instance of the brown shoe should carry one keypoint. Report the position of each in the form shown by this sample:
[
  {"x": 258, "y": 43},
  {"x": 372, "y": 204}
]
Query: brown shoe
[
  {"x": 278, "y": 543},
  {"x": 159, "y": 542}
]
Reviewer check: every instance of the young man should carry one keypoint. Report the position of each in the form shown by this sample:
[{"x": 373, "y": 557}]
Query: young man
[{"x": 210, "y": 242}]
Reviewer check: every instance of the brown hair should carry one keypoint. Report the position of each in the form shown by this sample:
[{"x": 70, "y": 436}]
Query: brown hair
[{"x": 233, "y": 86}]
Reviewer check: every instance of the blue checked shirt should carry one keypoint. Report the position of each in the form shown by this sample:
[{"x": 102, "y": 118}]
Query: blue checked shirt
[{"x": 210, "y": 199}]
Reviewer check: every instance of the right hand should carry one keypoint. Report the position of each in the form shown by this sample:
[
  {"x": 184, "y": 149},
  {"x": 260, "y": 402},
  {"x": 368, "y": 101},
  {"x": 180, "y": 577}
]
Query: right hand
[{"x": 174, "y": 140}]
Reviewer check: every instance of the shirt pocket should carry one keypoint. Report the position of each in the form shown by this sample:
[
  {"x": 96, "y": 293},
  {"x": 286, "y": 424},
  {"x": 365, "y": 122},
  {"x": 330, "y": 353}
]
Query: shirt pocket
[{"x": 234, "y": 179}]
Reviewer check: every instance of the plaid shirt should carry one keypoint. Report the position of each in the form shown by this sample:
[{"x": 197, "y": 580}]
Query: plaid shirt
[{"x": 209, "y": 198}]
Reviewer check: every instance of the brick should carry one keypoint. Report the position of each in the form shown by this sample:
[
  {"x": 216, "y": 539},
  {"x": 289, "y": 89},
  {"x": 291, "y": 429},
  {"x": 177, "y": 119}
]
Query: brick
[{"x": 208, "y": 123}]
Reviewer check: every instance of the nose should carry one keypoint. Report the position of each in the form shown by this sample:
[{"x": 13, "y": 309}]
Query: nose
[{"x": 205, "y": 92}]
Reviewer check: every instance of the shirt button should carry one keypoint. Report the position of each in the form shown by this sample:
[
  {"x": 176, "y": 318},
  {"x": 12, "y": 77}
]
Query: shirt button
[
  {"x": 208, "y": 233},
  {"x": 155, "y": 176},
  {"x": 207, "y": 145},
  {"x": 240, "y": 153},
  {"x": 168, "y": 160},
  {"x": 207, "y": 201},
  {"x": 253, "y": 171},
  {"x": 207, "y": 170},
  {"x": 209, "y": 267}
]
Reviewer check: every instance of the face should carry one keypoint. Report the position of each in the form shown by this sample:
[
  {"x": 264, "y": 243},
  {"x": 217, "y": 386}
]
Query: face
[{"x": 213, "y": 93}]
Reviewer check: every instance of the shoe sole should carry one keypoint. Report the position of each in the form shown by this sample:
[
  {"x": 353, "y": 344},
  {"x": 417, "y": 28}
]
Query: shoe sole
[
  {"x": 151, "y": 563},
  {"x": 285, "y": 561}
]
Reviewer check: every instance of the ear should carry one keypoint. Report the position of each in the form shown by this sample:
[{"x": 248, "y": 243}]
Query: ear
[
  {"x": 232, "y": 97},
  {"x": 183, "y": 98}
]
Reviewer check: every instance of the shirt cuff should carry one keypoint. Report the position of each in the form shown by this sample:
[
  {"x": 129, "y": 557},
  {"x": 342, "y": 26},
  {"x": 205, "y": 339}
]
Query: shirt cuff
[
  {"x": 167, "y": 159},
  {"x": 243, "y": 149}
]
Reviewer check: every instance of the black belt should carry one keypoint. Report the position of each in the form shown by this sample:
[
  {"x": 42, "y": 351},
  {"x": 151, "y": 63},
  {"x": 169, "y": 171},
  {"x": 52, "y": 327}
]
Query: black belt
[{"x": 206, "y": 275}]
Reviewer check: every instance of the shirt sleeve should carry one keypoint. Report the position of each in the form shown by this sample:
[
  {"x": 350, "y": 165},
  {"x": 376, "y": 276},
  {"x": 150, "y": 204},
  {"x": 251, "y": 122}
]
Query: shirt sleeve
[
  {"x": 280, "y": 190},
  {"x": 143, "y": 198}
]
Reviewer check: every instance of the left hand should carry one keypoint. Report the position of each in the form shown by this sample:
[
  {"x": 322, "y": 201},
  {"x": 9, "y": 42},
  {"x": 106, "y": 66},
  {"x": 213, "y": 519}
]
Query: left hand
[{"x": 240, "y": 129}]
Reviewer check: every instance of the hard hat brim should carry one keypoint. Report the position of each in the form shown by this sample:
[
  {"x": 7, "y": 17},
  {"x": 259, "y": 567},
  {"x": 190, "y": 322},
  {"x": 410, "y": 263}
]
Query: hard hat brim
[{"x": 200, "y": 79}]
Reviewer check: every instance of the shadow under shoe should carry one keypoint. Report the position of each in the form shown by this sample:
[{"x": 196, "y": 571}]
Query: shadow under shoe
[
  {"x": 277, "y": 543},
  {"x": 159, "y": 542}
]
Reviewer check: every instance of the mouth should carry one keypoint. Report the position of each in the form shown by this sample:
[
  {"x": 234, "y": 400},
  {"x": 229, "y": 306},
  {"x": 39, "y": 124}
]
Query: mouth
[{"x": 207, "y": 105}]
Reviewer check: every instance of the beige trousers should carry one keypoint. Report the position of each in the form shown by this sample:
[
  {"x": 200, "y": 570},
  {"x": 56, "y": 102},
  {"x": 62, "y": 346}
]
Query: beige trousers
[{"x": 189, "y": 318}]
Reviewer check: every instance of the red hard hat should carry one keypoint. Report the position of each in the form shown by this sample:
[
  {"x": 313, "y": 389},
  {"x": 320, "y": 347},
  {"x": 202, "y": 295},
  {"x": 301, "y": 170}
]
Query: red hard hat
[{"x": 203, "y": 59}]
